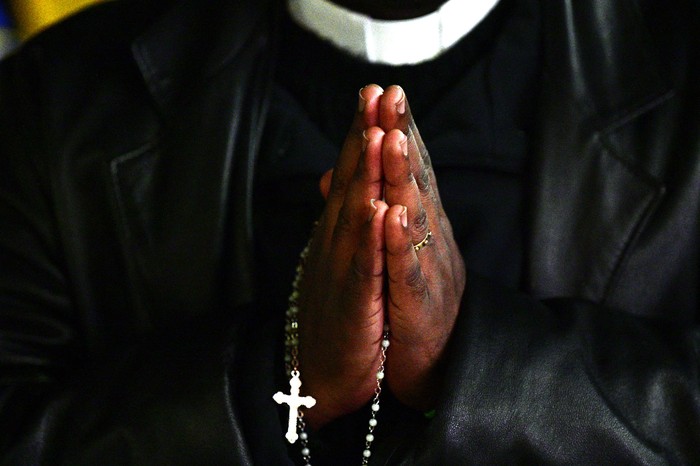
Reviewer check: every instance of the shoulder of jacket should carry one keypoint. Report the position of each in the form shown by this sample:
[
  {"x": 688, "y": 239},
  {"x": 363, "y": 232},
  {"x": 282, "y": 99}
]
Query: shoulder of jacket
[{"x": 97, "y": 30}]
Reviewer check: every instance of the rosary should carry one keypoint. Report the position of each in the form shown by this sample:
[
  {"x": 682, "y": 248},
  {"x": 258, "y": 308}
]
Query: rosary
[{"x": 296, "y": 428}]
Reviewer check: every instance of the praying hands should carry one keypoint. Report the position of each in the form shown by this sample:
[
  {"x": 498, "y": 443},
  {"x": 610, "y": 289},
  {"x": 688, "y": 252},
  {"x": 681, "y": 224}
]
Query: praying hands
[{"x": 383, "y": 253}]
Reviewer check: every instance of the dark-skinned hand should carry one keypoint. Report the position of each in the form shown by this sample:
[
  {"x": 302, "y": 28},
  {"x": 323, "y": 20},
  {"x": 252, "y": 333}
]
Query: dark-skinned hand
[{"x": 363, "y": 271}]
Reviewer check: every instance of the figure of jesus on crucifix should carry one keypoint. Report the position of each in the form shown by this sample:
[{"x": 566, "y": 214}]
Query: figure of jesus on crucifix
[{"x": 294, "y": 401}]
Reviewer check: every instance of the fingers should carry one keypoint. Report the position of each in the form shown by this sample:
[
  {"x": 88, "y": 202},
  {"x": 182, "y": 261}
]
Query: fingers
[
  {"x": 408, "y": 290},
  {"x": 365, "y": 285},
  {"x": 401, "y": 186},
  {"x": 368, "y": 104},
  {"x": 421, "y": 313},
  {"x": 395, "y": 113},
  {"x": 367, "y": 115},
  {"x": 340, "y": 179},
  {"x": 366, "y": 183}
]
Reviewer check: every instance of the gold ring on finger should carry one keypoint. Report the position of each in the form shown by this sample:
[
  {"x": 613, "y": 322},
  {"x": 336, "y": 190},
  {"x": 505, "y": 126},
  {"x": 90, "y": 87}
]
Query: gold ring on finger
[{"x": 423, "y": 242}]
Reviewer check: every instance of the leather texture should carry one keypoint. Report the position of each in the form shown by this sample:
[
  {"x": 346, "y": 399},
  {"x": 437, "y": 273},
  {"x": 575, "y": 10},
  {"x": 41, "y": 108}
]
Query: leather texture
[{"x": 125, "y": 156}]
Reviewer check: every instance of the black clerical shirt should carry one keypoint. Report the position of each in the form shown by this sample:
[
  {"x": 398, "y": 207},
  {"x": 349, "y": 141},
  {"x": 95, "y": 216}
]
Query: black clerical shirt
[{"x": 472, "y": 106}]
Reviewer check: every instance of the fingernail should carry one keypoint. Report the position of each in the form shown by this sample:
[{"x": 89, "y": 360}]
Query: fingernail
[
  {"x": 401, "y": 104},
  {"x": 365, "y": 141},
  {"x": 373, "y": 210},
  {"x": 362, "y": 102},
  {"x": 404, "y": 145},
  {"x": 404, "y": 217}
]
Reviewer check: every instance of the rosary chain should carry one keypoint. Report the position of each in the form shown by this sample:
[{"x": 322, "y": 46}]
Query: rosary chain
[
  {"x": 369, "y": 438},
  {"x": 291, "y": 359}
]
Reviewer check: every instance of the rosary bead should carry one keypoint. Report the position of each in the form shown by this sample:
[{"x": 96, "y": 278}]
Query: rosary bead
[{"x": 292, "y": 344}]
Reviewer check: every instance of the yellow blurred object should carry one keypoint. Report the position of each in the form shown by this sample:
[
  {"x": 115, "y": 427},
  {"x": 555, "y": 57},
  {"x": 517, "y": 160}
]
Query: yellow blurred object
[{"x": 31, "y": 16}]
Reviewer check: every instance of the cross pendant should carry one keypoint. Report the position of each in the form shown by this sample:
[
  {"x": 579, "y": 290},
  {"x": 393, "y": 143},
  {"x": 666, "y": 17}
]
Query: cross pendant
[{"x": 294, "y": 401}]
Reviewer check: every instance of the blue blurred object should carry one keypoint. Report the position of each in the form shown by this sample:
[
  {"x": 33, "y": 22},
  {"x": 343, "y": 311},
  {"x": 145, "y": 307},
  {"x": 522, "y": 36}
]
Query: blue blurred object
[
  {"x": 5, "y": 22},
  {"x": 8, "y": 40}
]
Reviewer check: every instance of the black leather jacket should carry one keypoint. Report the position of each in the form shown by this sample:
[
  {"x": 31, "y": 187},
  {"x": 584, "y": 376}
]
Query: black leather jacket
[{"x": 128, "y": 136}]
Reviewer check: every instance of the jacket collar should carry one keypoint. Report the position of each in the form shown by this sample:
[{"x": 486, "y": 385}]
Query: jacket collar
[
  {"x": 593, "y": 185},
  {"x": 190, "y": 44},
  {"x": 601, "y": 53},
  {"x": 207, "y": 69}
]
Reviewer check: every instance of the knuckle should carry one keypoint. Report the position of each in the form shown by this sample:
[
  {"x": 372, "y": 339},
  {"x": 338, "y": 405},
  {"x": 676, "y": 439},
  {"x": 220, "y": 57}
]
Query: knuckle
[
  {"x": 365, "y": 272},
  {"x": 338, "y": 187},
  {"x": 420, "y": 222},
  {"x": 361, "y": 175},
  {"x": 399, "y": 250},
  {"x": 424, "y": 155},
  {"x": 343, "y": 224},
  {"x": 415, "y": 281},
  {"x": 423, "y": 180}
]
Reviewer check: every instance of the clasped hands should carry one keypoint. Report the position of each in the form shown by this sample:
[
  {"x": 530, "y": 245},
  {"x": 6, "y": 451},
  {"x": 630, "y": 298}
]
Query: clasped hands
[{"x": 362, "y": 269}]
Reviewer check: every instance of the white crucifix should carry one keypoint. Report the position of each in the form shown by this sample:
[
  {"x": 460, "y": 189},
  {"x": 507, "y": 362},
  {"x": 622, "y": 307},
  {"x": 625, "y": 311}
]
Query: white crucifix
[{"x": 294, "y": 401}]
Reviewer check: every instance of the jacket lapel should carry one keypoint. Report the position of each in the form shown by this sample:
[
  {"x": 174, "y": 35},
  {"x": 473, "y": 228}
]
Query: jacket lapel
[
  {"x": 207, "y": 75},
  {"x": 591, "y": 191}
]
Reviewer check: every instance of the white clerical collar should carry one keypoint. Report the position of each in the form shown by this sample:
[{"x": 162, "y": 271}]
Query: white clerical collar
[{"x": 391, "y": 42}]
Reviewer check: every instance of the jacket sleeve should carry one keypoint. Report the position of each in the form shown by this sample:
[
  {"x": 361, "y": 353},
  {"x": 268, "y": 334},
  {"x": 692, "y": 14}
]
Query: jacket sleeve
[
  {"x": 564, "y": 382},
  {"x": 159, "y": 400}
]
